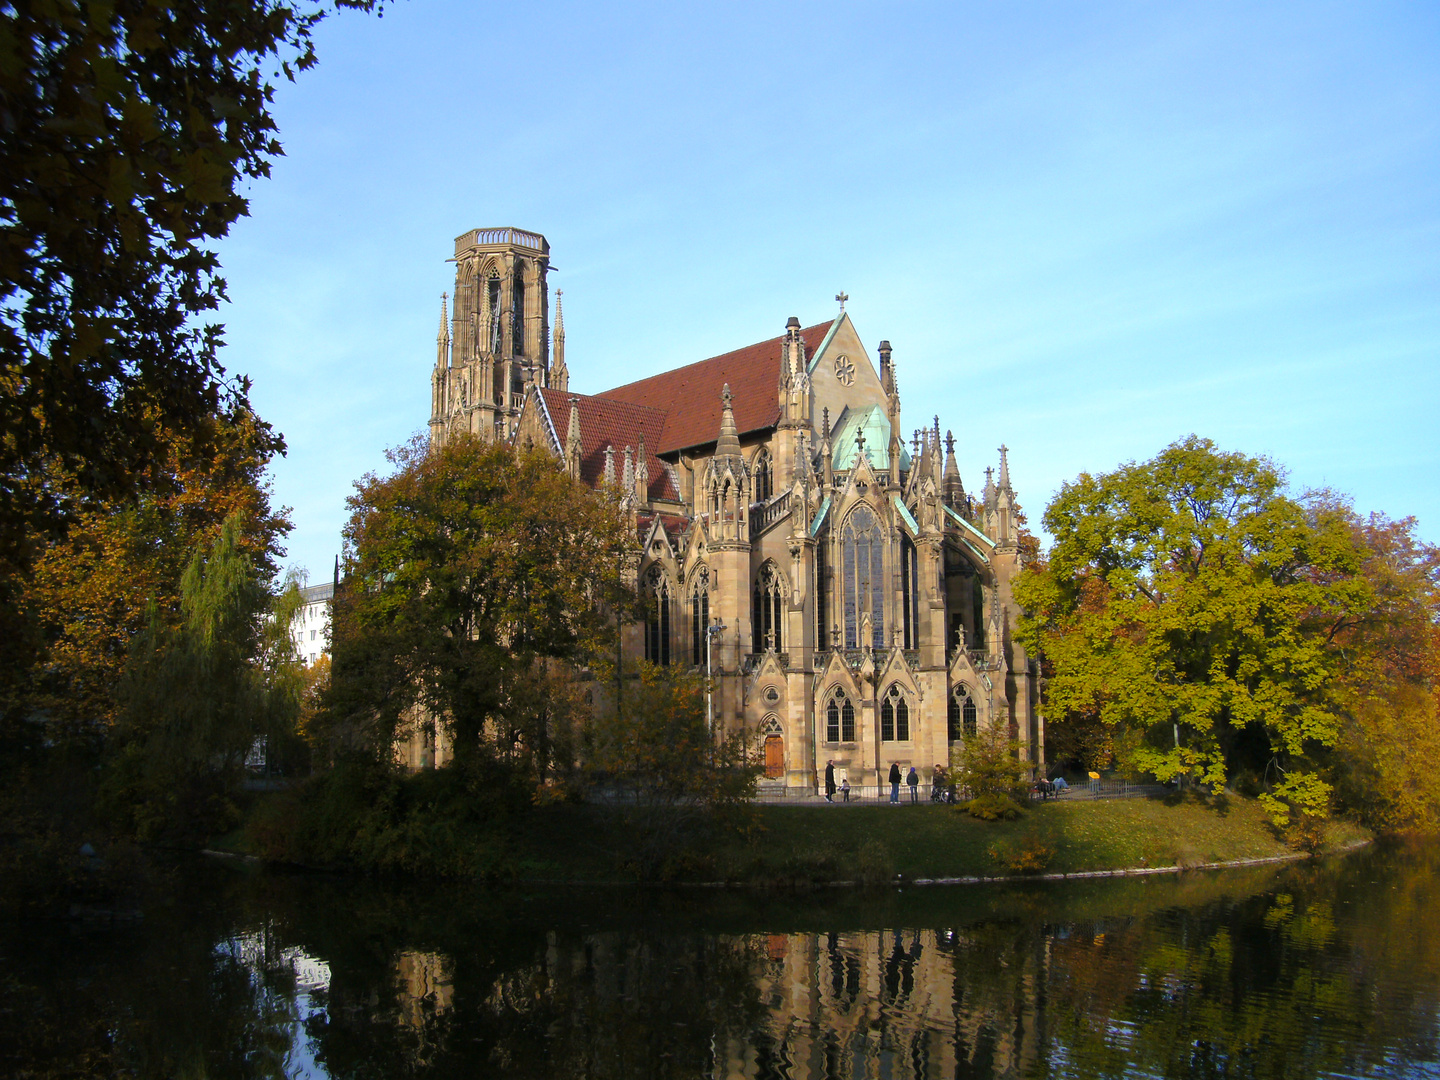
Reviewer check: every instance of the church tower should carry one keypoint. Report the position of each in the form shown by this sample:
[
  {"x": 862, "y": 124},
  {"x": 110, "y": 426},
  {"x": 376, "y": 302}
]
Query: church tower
[{"x": 499, "y": 342}]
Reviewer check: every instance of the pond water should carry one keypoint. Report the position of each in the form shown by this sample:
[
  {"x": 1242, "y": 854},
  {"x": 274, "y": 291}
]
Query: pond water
[{"x": 1299, "y": 971}]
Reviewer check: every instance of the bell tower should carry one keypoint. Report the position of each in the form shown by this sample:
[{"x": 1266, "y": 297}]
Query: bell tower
[{"x": 500, "y": 336}]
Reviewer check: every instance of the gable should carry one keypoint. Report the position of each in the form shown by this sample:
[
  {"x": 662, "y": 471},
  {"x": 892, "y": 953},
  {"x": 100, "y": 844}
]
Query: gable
[{"x": 830, "y": 391}]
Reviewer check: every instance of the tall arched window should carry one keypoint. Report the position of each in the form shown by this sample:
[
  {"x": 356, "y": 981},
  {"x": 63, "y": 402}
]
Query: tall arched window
[
  {"x": 962, "y": 715},
  {"x": 909, "y": 587},
  {"x": 764, "y": 476},
  {"x": 767, "y": 612},
  {"x": 699, "y": 615},
  {"x": 493, "y": 295},
  {"x": 894, "y": 716},
  {"x": 657, "y": 617},
  {"x": 517, "y": 310},
  {"x": 862, "y": 564},
  {"x": 839, "y": 718}
]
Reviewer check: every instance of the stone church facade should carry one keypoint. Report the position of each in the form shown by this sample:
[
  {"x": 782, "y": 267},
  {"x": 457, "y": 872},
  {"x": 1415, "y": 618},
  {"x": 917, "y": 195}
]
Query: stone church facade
[{"x": 855, "y": 599}]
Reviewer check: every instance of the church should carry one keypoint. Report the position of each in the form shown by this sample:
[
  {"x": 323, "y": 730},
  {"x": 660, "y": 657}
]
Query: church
[{"x": 850, "y": 599}]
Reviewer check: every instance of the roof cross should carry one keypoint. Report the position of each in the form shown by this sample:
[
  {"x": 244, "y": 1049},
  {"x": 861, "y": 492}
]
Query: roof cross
[{"x": 842, "y": 296}]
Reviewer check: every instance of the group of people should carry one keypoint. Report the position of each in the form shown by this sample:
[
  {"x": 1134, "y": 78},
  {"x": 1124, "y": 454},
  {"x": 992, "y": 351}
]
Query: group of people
[
  {"x": 1051, "y": 789},
  {"x": 940, "y": 791}
]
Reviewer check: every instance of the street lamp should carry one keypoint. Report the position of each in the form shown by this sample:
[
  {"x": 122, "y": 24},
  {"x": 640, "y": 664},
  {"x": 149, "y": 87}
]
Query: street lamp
[{"x": 710, "y": 632}]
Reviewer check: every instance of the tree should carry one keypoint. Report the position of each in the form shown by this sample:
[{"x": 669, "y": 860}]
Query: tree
[
  {"x": 1389, "y": 690},
  {"x": 654, "y": 754},
  {"x": 992, "y": 768},
  {"x": 195, "y": 697},
  {"x": 1192, "y": 601},
  {"x": 92, "y": 591},
  {"x": 126, "y": 131},
  {"x": 468, "y": 570}
]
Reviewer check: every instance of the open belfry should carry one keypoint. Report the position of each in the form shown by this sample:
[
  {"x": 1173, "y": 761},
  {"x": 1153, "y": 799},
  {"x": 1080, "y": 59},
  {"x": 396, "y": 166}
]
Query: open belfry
[{"x": 856, "y": 599}]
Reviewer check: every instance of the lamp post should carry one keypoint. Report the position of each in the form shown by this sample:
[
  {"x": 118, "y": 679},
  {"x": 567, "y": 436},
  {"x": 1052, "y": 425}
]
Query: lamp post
[{"x": 710, "y": 632}]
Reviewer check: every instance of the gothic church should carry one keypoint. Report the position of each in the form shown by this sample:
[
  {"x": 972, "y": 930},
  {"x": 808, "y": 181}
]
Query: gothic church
[{"x": 852, "y": 601}]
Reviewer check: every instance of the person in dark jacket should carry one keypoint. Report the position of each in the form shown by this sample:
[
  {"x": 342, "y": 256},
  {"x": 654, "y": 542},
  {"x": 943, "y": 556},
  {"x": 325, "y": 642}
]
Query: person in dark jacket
[
  {"x": 913, "y": 779},
  {"x": 830, "y": 781},
  {"x": 895, "y": 782}
]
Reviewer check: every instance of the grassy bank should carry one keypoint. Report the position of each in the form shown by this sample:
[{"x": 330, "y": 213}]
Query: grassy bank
[{"x": 779, "y": 846}]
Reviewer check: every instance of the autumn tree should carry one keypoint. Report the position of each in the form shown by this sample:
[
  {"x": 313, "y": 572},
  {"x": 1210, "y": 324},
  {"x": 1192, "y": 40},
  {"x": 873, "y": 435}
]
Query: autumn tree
[
  {"x": 1192, "y": 601},
  {"x": 469, "y": 570},
  {"x": 127, "y": 132},
  {"x": 1388, "y": 691},
  {"x": 119, "y": 566},
  {"x": 196, "y": 696}
]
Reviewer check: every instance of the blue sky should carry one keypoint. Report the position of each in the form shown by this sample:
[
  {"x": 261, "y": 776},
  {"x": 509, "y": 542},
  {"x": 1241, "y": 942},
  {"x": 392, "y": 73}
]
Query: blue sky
[{"x": 1087, "y": 229}]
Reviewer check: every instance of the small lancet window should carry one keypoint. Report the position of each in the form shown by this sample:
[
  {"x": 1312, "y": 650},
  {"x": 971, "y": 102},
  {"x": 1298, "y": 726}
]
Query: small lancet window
[
  {"x": 657, "y": 617},
  {"x": 962, "y": 715},
  {"x": 767, "y": 612},
  {"x": 894, "y": 716},
  {"x": 699, "y": 617},
  {"x": 839, "y": 718}
]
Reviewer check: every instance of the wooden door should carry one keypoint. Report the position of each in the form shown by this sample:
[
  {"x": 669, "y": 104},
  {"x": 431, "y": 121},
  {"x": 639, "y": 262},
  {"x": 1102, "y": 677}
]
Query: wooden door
[{"x": 774, "y": 757}]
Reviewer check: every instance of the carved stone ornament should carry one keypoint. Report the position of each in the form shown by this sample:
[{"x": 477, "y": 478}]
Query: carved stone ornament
[{"x": 845, "y": 370}]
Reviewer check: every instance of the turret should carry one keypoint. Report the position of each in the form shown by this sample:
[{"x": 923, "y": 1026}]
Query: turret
[
  {"x": 827, "y": 462},
  {"x": 642, "y": 474},
  {"x": 572, "y": 440},
  {"x": 559, "y": 373},
  {"x": 954, "y": 490}
]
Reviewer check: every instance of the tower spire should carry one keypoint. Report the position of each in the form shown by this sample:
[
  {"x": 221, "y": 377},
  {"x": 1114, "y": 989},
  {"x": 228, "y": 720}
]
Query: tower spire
[
  {"x": 1004, "y": 469},
  {"x": 559, "y": 373},
  {"x": 572, "y": 440},
  {"x": 729, "y": 441}
]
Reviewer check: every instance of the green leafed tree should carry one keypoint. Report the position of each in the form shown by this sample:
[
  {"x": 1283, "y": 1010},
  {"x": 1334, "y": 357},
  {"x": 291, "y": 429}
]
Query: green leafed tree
[
  {"x": 127, "y": 131},
  {"x": 470, "y": 569},
  {"x": 1194, "y": 603},
  {"x": 196, "y": 696}
]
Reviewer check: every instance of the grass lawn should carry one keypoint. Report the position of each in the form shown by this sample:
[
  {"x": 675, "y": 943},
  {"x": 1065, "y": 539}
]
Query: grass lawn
[
  {"x": 797, "y": 845},
  {"x": 783, "y": 846}
]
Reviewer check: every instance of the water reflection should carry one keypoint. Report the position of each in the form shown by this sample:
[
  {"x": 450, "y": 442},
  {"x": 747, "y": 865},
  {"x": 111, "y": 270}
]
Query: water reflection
[{"x": 1293, "y": 972}]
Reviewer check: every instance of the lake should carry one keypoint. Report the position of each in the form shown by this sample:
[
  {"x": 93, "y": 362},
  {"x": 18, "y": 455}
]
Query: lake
[{"x": 1305, "y": 970}]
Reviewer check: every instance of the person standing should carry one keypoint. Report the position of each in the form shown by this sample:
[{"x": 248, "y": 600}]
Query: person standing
[
  {"x": 895, "y": 782},
  {"x": 845, "y": 789},
  {"x": 913, "y": 779},
  {"x": 830, "y": 781}
]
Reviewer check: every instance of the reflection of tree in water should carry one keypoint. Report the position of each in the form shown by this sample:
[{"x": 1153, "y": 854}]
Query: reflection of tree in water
[
  {"x": 1335, "y": 968},
  {"x": 1276, "y": 984}
]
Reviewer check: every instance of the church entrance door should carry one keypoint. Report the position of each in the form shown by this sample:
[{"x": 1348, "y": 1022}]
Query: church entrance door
[{"x": 774, "y": 757}]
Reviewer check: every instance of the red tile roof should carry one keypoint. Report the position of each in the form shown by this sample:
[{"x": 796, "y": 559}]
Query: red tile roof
[
  {"x": 689, "y": 397},
  {"x": 616, "y": 423}
]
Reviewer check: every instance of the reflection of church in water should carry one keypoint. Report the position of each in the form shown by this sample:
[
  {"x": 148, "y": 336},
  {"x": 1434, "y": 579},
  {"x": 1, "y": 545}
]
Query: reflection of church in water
[{"x": 857, "y": 598}]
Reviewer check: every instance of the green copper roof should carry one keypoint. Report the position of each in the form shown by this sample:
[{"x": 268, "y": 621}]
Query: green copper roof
[
  {"x": 908, "y": 517},
  {"x": 876, "y": 426}
]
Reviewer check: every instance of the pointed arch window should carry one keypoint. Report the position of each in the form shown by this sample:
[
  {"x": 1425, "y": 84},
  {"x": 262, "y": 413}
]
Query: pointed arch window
[
  {"x": 764, "y": 474},
  {"x": 862, "y": 566},
  {"x": 493, "y": 295},
  {"x": 699, "y": 615},
  {"x": 517, "y": 311},
  {"x": 909, "y": 579},
  {"x": 767, "y": 612},
  {"x": 894, "y": 716},
  {"x": 839, "y": 718},
  {"x": 658, "y": 602},
  {"x": 962, "y": 715}
]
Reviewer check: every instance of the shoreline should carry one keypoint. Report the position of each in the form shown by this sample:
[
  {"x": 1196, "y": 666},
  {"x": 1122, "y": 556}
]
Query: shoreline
[{"x": 899, "y": 882}]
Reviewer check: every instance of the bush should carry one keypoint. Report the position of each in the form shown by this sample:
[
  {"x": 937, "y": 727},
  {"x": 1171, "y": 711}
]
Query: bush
[
  {"x": 1030, "y": 856},
  {"x": 995, "y": 806}
]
